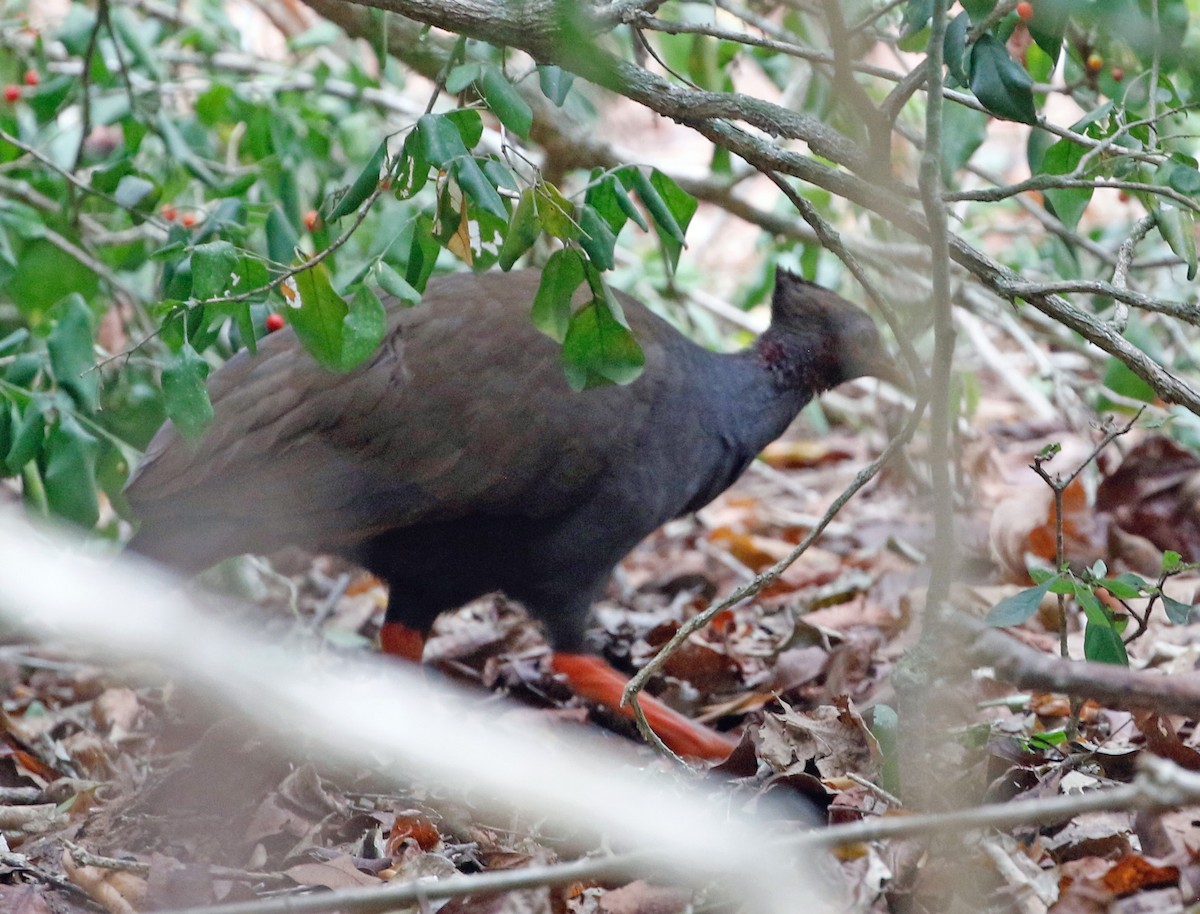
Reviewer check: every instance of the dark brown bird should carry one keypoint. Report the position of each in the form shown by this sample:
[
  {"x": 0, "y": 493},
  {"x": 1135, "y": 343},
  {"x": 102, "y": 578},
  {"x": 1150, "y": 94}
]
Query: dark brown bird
[{"x": 457, "y": 461}]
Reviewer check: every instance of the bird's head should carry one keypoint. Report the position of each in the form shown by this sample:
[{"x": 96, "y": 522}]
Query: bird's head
[{"x": 819, "y": 340}]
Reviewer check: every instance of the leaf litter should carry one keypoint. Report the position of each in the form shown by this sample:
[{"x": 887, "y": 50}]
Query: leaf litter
[{"x": 120, "y": 789}]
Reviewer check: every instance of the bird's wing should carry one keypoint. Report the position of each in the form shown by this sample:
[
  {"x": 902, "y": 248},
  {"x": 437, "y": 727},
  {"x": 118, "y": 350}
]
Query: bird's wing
[{"x": 463, "y": 410}]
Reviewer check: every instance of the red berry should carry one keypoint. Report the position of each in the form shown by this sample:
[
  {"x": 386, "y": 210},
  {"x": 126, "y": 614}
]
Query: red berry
[
  {"x": 32, "y": 78},
  {"x": 311, "y": 220},
  {"x": 1095, "y": 63},
  {"x": 188, "y": 219},
  {"x": 274, "y": 322},
  {"x": 170, "y": 213},
  {"x": 1025, "y": 10},
  {"x": 1123, "y": 196},
  {"x": 12, "y": 93},
  {"x": 1117, "y": 74}
]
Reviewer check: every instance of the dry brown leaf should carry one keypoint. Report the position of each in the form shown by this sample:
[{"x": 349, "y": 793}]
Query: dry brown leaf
[
  {"x": 801, "y": 453},
  {"x": 338, "y": 873},
  {"x": 117, "y": 891},
  {"x": 116, "y": 711},
  {"x": 1133, "y": 872},
  {"x": 24, "y": 899},
  {"x": 641, "y": 897}
]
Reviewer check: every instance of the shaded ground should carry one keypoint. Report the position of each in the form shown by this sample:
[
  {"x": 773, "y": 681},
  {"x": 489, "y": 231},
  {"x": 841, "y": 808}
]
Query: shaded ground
[{"x": 121, "y": 791}]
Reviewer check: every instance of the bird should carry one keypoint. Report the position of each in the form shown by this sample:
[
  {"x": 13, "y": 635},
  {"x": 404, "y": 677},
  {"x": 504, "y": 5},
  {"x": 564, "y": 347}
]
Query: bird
[{"x": 458, "y": 461}]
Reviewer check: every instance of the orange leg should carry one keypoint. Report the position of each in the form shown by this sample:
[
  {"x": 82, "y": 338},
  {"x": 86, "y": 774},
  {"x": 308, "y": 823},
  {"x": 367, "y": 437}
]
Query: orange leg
[
  {"x": 401, "y": 641},
  {"x": 593, "y": 679}
]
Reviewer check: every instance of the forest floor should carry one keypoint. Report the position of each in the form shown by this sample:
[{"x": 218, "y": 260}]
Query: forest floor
[{"x": 121, "y": 790}]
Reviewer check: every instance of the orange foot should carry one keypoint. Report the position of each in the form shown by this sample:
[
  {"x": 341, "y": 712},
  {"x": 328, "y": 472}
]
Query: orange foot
[{"x": 593, "y": 679}]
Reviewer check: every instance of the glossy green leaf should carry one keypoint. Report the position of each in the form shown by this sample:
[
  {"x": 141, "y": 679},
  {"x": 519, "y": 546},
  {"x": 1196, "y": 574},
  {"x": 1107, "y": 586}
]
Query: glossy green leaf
[
  {"x": 523, "y": 231},
  {"x": 555, "y": 212},
  {"x": 599, "y": 348},
  {"x": 413, "y": 170},
  {"x": 1101, "y": 636},
  {"x": 602, "y": 196},
  {"x": 28, "y": 436},
  {"x": 281, "y": 237},
  {"x": 505, "y": 101},
  {"x": 184, "y": 393},
  {"x": 213, "y": 266},
  {"x": 363, "y": 329},
  {"x": 69, "y": 475},
  {"x": 1000, "y": 83},
  {"x": 1102, "y": 644},
  {"x": 469, "y": 124},
  {"x": 364, "y": 185},
  {"x": 596, "y": 238},
  {"x": 1069, "y": 203},
  {"x": 917, "y": 14},
  {"x": 1049, "y": 25},
  {"x": 441, "y": 143},
  {"x": 1179, "y": 613},
  {"x": 682, "y": 207},
  {"x": 422, "y": 253},
  {"x": 318, "y": 320},
  {"x": 70, "y": 346},
  {"x": 955, "y": 52},
  {"x": 475, "y": 184},
  {"x": 136, "y": 193},
  {"x": 562, "y": 275},
  {"x": 555, "y": 83},
  {"x": 394, "y": 284},
  {"x": 1178, "y": 229},
  {"x": 1126, "y": 586},
  {"x": 1015, "y": 609},
  {"x": 460, "y": 77}
]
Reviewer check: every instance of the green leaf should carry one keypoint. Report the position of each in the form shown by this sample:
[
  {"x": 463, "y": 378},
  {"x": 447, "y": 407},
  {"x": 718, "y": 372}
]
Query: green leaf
[
  {"x": 1069, "y": 203},
  {"x": 599, "y": 348},
  {"x": 184, "y": 394},
  {"x": 955, "y": 52},
  {"x": 682, "y": 207},
  {"x": 1103, "y": 644},
  {"x": 1178, "y": 229},
  {"x": 213, "y": 265},
  {"x": 462, "y": 76},
  {"x": 475, "y": 184},
  {"x": 319, "y": 319},
  {"x": 136, "y": 193},
  {"x": 1171, "y": 562},
  {"x": 555, "y": 83},
  {"x": 660, "y": 212},
  {"x": 70, "y": 347},
  {"x": 1000, "y": 83},
  {"x": 561, "y": 276},
  {"x": 440, "y": 141},
  {"x": 281, "y": 237},
  {"x": 1179, "y": 613},
  {"x": 469, "y": 125},
  {"x": 965, "y": 129},
  {"x": 1049, "y": 25},
  {"x": 1125, "y": 586},
  {"x": 363, "y": 329},
  {"x": 422, "y": 253},
  {"x": 1020, "y": 606},
  {"x": 70, "y": 472},
  {"x": 28, "y": 437},
  {"x": 523, "y": 231},
  {"x": 506, "y": 102},
  {"x": 917, "y": 14},
  {"x": 413, "y": 170},
  {"x": 395, "y": 284},
  {"x": 364, "y": 185},
  {"x": 596, "y": 238},
  {"x": 555, "y": 212},
  {"x": 1101, "y": 637},
  {"x": 602, "y": 196}
]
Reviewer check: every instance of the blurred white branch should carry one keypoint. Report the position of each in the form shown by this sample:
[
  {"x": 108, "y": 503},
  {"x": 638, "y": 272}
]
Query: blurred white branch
[{"x": 375, "y": 714}]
